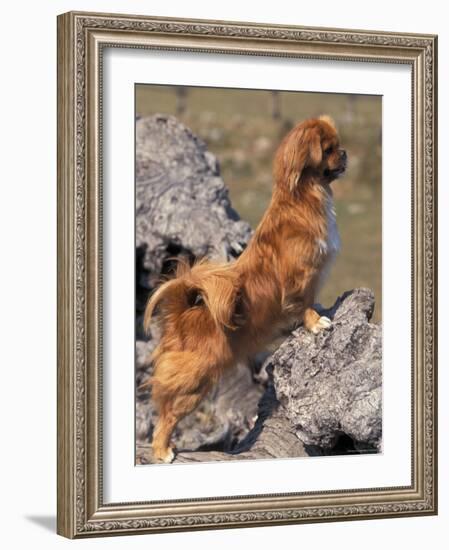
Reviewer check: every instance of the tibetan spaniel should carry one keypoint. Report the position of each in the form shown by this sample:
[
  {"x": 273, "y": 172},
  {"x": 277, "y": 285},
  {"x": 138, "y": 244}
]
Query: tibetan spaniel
[{"x": 213, "y": 315}]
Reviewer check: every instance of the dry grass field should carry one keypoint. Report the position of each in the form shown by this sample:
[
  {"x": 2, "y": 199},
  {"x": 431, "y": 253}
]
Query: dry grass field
[{"x": 244, "y": 127}]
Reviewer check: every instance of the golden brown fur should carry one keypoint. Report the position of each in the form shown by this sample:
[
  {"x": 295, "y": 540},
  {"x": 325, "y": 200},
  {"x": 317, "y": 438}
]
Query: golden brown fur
[{"x": 212, "y": 315}]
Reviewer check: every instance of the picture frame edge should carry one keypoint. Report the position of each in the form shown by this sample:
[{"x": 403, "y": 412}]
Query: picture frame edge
[{"x": 81, "y": 512}]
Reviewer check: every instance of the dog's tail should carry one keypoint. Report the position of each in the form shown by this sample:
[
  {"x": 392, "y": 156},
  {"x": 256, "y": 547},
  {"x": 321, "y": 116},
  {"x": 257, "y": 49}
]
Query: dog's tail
[{"x": 211, "y": 286}]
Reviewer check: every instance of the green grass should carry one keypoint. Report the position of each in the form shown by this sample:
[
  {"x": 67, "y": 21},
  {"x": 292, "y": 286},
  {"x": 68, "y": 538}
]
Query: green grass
[{"x": 238, "y": 127}]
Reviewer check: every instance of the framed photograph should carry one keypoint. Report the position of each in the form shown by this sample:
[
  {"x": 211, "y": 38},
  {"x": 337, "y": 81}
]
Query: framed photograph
[{"x": 246, "y": 274}]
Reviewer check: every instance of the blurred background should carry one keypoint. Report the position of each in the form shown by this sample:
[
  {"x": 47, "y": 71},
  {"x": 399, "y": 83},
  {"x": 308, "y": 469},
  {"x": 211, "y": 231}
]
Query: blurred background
[{"x": 243, "y": 129}]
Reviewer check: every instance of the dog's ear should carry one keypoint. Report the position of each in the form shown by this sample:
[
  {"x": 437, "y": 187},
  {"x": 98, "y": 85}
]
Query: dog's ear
[
  {"x": 299, "y": 149},
  {"x": 315, "y": 150}
]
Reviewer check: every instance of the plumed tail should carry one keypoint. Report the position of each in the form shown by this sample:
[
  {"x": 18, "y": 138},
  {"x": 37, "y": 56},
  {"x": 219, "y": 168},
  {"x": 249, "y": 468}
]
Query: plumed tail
[
  {"x": 214, "y": 287},
  {"x": 158, "y": 295}
]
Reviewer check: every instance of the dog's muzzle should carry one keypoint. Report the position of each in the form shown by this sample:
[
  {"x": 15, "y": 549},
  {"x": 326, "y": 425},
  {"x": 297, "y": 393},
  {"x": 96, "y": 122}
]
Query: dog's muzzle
[{"x": 336, "y": 172}]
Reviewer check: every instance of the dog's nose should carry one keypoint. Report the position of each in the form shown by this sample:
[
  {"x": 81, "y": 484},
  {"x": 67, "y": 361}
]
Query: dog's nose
[{"x": 343, "y": 154}]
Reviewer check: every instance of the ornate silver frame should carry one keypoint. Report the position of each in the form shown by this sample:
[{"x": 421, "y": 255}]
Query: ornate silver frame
[{"x": 81, "y": 39}]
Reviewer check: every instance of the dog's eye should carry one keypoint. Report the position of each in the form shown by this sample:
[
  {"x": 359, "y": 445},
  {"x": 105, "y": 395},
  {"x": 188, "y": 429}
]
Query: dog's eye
[{"x": 328, "y": 151}]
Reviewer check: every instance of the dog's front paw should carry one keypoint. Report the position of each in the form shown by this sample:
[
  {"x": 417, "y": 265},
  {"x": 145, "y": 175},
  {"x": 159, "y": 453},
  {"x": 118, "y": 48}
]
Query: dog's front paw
[
  {"x": 323, "y": 323},
  {"x": 163, "y": 456}
]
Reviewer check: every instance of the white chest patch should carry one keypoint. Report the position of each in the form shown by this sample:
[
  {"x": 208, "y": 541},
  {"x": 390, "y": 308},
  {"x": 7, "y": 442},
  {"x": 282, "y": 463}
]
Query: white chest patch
[{"x": 330, "y": 247}]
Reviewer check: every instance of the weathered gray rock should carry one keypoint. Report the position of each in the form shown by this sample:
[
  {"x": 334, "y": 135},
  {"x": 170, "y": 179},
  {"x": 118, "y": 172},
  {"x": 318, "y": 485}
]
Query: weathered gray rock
[
  {"x": 271, "y": 437},
  {"x": 331, "y": 384},
  {"x": 144, "y": 409},
  {"x": 182, "y": 203}
]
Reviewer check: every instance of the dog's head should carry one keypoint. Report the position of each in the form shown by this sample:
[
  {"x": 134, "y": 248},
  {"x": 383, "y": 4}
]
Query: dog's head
[{"x": 310, "y": 151}]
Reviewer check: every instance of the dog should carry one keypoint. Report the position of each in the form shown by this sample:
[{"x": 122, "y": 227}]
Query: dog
[{"x": 212, "y": 315}]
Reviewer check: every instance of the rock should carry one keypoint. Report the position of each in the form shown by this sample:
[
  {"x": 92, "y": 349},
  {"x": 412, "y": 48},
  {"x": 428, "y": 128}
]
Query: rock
[
  {"x": 271, "y": 437},
  {"x": 144, "y": 409},
  {"x": 182, "y": 203},
  {"x": 331, "y": 384}
]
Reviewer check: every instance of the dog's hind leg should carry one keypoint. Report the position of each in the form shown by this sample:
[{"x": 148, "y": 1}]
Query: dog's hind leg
[
  {"x": 162, "y": 450},
  {"x": 179, "y": 383},
  {"x": 169, "y": 416}
]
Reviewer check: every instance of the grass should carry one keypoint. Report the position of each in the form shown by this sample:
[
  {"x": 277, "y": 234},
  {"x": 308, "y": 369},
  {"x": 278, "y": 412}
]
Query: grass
[{"x": 239, "y": 128}]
